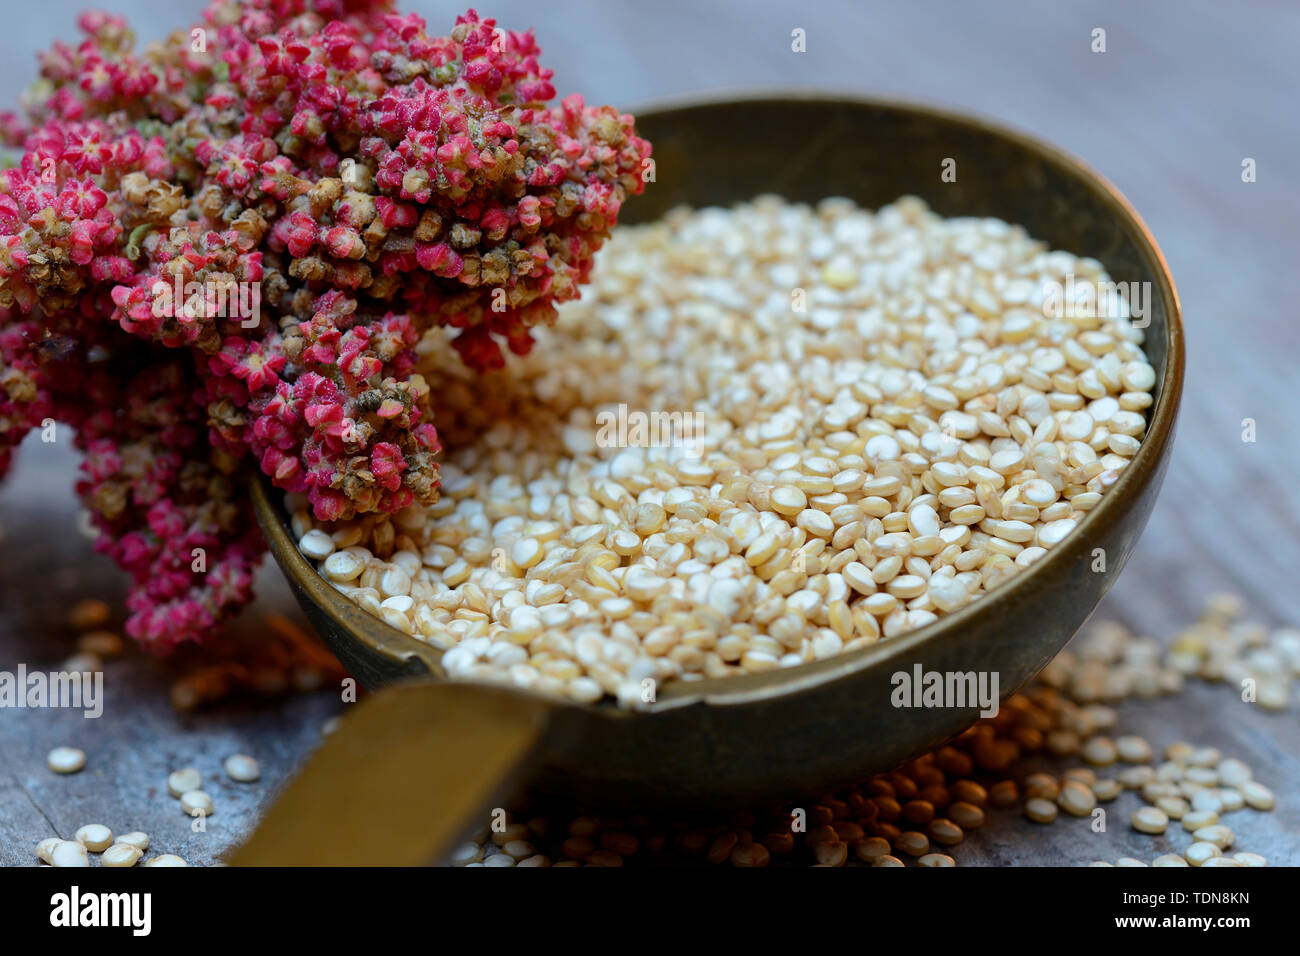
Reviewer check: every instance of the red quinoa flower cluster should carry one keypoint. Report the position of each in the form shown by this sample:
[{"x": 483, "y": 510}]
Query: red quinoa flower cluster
[{"x": 228, "y": 245}]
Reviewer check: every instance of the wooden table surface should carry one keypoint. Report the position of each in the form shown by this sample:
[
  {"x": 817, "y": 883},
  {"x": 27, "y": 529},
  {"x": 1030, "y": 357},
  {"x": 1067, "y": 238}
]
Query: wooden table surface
[{"x": 1184, "y": 92}]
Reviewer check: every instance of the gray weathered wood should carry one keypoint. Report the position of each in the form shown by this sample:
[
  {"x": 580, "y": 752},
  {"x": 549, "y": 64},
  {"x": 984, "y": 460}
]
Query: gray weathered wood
[{"x": 1184, "y": 93}]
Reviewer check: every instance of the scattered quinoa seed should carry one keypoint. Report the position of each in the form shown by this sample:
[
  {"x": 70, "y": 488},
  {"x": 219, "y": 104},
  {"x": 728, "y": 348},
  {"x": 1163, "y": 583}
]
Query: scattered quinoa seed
[
  {"x": 66, "y": 759},
  {"x": 136, "y": 839},
  {"x": 196, "y": 802},
  {"x": 95, "y": 837},
  {"x": 121, "y": 855},
  {"x": 1040, "y": 810},
  {"x": 1149, "y": 820},
  {"x": 69, "y": 853},
  {"x": 180, "y": 782},
  {"x": 242, "y": 768},
  {"x": 1200, "y": 852},
  {"x": 45, "y": 849}
]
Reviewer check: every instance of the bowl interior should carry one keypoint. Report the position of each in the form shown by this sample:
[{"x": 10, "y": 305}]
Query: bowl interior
[{"x": 806, "y": 148}]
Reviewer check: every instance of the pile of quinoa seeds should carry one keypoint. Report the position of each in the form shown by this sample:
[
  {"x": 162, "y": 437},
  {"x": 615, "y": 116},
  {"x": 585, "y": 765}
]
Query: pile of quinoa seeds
[{"x": 765, "y": 436}]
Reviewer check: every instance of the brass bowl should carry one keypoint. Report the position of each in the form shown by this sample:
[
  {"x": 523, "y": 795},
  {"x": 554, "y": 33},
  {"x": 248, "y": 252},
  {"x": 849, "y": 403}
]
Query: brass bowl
[{"x": 813, "y": 728}]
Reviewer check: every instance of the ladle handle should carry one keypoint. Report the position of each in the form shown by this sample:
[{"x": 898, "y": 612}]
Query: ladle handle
[{"x": 412, "y": 770}]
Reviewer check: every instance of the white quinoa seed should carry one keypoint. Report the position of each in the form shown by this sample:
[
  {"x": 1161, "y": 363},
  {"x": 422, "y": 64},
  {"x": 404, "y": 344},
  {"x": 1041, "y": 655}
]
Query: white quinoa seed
[
  {"x": 95, "y": 837},
  {"x": 196, "y": 802},
  {"x": 1076, "y": 799},
  {"x": 851, "y": 471},
  {"x": 182, "y": 781},
  {"x": 1040, "y": 810},
  {"x": 66, "y": 759},
  {"x": 316, "y": 545},
  {"x": 121, "y": 855},
  {"x": 69, "y": 853},
  {"x": 1196, "y": 819},
  {"x": 1199, "y": 852},
  {"x": 1149, "y": 820},
  {"x": 136, "y": 839},
  {"x": 1256, "y": 795},
  {"x": 1217, "y": 834},
  {"x": 242, "y": 768},
  {"x": 45, "y": 849}
]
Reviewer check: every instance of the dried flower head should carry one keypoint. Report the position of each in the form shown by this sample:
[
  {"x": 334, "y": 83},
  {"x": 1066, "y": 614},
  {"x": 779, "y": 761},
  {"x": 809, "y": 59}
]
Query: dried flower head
[{"x": 228, "y": 246}]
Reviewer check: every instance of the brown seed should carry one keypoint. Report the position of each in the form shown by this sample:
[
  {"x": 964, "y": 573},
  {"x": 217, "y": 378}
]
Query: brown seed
[
  {"x": 872, "y": 849},
  {"x": 779, "y": 843},
  {"x": 968, "y": 791},
  {"x": 577, "y": 848},
  {"x": 1061, "y": 743},
  {"x": 886, "y": 830},
  {"x": 831, "y": 854},
  {"x": 584, "y": 827},
  {"x": 750, "y": 854},
  {"x": 888, "y": 809},
  {"x": 913, "y": 843},
  {"x": 624, "y": 844},
  {"x": 936, "y": 795},
  {"x": 691, "y": 842},
  {"x": 904, "y": 787},
  {"x": 838, "y": 808},
  {"x": 861, "y": 807},
  {"x": 995, "y": 756},
  {"x": 1042, "y": 785},
  {"x": 850, "y": 833},
  {"x": 880, "y": 788},
  {"x": 822, "y": 834},
  {"x": 1004, "y": 794},
  {"x": 966, "y": 815},
  {"x": 101, "y": 643},
  {"x": 88, "y": 614},
  {"x": 721, "y": 847},
  {"x": 928, "y": 777},
  {"x": 919, "y": 812},
  {"x": 954, "y": 762}
]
